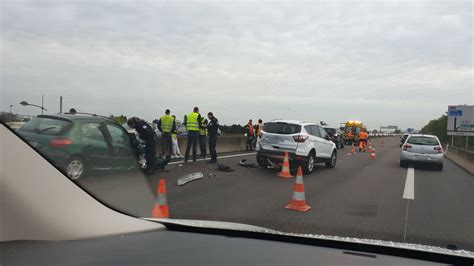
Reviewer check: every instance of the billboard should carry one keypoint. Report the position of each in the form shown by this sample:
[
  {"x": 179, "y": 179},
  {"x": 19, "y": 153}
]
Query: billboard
[{"x": 461, "y": 120}]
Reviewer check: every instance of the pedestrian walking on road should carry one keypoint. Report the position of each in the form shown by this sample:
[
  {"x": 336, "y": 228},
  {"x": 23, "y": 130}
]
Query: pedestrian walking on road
[
  {"x": 213, "y": 132},
  {"x": 147, "y": 134},
  {"x": 363, "y": 137},
  {"x": 192, "y": 121},
  {"x": 202, "y": 137},
  {"x": 166, "y": 125},
  {"x": 176, "y": 153},
  {"x": 250, "y": 133}
]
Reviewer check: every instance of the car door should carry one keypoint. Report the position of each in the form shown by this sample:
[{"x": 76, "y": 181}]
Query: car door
[
  {"x": 123, "y": 154},
  {"x": 326, "y": 142},
  {"x": 95, "y": 148},
  {"x": 317, "y": 141}
]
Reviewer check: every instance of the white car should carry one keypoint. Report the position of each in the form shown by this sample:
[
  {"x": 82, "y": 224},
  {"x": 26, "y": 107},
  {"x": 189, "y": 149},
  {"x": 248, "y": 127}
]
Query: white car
[
  {"x": 306, "y": 143},
  {"x": 422, "y": 148}
]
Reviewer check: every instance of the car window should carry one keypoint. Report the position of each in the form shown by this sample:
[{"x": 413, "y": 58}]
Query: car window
[
  {"x": 322, "y": 133},
  {"x": 330, "y": 131},
  {"x": 429, "y": 141},
  {"x": 46, "y": 126},
  {"x": 118, "y": 135},
  {"x": 315, "y": 131},
  {"x": 91, "y": 133},
  {"x": 281, "y": 128}
]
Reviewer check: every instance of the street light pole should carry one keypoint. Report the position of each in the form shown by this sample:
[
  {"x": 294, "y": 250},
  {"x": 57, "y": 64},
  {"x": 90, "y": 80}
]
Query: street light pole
[
  {"x": 11, "y": 105},
  {"x": 25, "y": 103},
  {"x": 42, "y": 103}
]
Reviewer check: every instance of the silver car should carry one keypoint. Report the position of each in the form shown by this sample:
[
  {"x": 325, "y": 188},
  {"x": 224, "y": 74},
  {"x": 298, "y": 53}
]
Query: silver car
[{"x": 422, "y": 148}]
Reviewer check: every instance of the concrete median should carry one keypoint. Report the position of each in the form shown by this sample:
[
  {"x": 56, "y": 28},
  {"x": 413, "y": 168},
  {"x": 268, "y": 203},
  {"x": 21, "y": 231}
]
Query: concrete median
[
  {"x": 461, "y": 157},
  {"x": 229, "y": 143}
]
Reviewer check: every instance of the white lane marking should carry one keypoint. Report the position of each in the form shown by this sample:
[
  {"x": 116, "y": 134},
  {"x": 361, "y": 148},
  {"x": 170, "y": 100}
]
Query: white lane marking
[
  {"x": 220, "y": 157},
  {"x": 406, "y": 223},
  {"x": 409, "y": 191}
]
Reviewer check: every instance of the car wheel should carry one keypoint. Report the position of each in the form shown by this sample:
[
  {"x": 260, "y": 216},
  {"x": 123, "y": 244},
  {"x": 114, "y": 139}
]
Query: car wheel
[
  {"x": 262, "y": 161},
  {"x": 333, "y": 161},
  {"x": 75, "y": 168},
  {"x": 308, "y": 164},
  {"x": 403, "y": 164}
]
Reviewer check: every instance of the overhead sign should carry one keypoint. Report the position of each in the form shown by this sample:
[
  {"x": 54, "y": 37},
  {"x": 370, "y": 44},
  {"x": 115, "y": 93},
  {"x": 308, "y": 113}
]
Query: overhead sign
[{"x": 461, "y": 120}]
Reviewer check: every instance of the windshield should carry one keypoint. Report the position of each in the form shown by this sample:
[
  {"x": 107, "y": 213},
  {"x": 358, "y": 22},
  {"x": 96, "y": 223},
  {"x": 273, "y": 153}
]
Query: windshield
[
  {"x": 429, "y": 141},
  {"x": 330, "y": 131},
  {"x": 207, "y": 100},
  {"x": 281, "y": 128},
  {"x": 46, "y": 126}
]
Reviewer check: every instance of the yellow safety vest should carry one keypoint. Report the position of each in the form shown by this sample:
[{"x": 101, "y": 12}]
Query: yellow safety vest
[
  {"x": 166, "y": 123},
  {"x": 203, "y": 130},
  {"x": 192, "y": 122}
]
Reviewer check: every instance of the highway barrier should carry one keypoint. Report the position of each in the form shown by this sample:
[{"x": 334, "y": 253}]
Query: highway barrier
[
  {"x": 462, "y": 157},
  {"x": 226, "y": 143}
]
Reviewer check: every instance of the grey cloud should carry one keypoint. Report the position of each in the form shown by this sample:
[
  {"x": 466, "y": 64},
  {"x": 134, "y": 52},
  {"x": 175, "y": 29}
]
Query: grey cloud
[{"x": 332, "y": 56}]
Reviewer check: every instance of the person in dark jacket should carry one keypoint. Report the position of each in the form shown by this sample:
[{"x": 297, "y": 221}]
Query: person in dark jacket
[
  {"x": 147, "y": 134},
  {"x": 212, "y": 132}
]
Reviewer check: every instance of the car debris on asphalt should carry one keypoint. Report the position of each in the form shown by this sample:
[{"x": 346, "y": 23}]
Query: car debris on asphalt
[
  {"x": 224, "y": 168},
  {"x": 244, "y": 163},
  {"x": 188, "y": 178}
]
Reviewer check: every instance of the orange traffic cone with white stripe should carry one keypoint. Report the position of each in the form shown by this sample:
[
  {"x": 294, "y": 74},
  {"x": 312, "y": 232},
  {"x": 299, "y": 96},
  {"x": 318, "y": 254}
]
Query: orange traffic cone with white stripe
[
  {"x": 370, "y": 147},
  {"x": 285, "y": 169},
  {"x": 160, "y": 210},
  {"x": 372, "y": 154},
  {"x": 298, "y": 202}
]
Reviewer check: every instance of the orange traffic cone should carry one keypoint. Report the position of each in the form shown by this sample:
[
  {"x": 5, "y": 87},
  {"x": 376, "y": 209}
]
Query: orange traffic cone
[
  {"x": 298, "y": 202},
  {"x": 369, "y": 147},
  {"x": 353, "y": 150},
  {"x": 160, "y": 210},
  {"x": 372, "y": 154},
  {"x": 285, "y": 169},
  {"x": 381, "y": 143}
]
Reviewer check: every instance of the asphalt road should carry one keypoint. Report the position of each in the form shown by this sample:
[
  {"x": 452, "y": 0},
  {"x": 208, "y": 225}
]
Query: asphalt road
[{"x": 361, "y": 197}]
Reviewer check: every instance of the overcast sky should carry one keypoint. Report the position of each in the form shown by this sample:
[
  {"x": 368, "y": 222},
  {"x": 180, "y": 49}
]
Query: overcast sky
[{"x": 382, "y": 62}]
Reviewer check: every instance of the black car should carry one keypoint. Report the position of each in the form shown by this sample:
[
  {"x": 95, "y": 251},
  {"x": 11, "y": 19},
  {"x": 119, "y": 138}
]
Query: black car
[
  {"x": 403, "y": 138},
  {"x": 335, "y": 137}
]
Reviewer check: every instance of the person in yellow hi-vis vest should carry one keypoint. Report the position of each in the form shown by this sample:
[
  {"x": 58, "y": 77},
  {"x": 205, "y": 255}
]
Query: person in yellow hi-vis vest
[
  {"x": 192, "y": 121},
  {"x": 202, "y": 137},
  {"x": 166, "y": 125}
]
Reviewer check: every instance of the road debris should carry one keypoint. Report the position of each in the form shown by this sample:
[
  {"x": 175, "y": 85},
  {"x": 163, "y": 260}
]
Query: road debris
[
  {"x": 244, "y": 163},
  {"x": 224, "y": 168},
  {"x": 188, "y": 178}
]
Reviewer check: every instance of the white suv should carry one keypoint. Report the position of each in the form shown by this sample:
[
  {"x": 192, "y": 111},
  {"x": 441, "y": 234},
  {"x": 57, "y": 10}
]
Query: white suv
[{"x": 307, "y": 143}]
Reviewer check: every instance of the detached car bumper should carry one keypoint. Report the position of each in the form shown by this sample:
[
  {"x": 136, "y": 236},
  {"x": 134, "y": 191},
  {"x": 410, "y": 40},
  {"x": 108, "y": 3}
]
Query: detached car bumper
[{"x": 418, "y": 157}]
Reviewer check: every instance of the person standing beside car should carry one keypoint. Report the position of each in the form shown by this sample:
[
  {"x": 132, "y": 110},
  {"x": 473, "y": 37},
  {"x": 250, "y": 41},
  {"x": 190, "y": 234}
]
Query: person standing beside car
[
  {"x": 147, "y": 134},
  {"x": 202, "y": 137},
  {"x": 166, "y": 125},
  {"x": 250, "y": 133},
  {"x": 192, "y": 121},
  {"x": 176, "y": 153},
  {"x": 213, "y": 132}
]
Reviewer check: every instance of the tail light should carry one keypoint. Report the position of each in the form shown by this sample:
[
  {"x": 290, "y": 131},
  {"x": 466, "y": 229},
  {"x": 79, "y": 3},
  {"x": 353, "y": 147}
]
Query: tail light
[
  {"x": 406, "y": 147},
  {"x": 300, "y": 138},
  {"x": 58, "y": 143},
  {"x": 439, "y": 149}
]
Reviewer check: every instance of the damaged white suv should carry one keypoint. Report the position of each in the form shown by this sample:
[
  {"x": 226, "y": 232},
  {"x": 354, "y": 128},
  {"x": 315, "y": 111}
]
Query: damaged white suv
[{"x": 306, "y": 144}]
